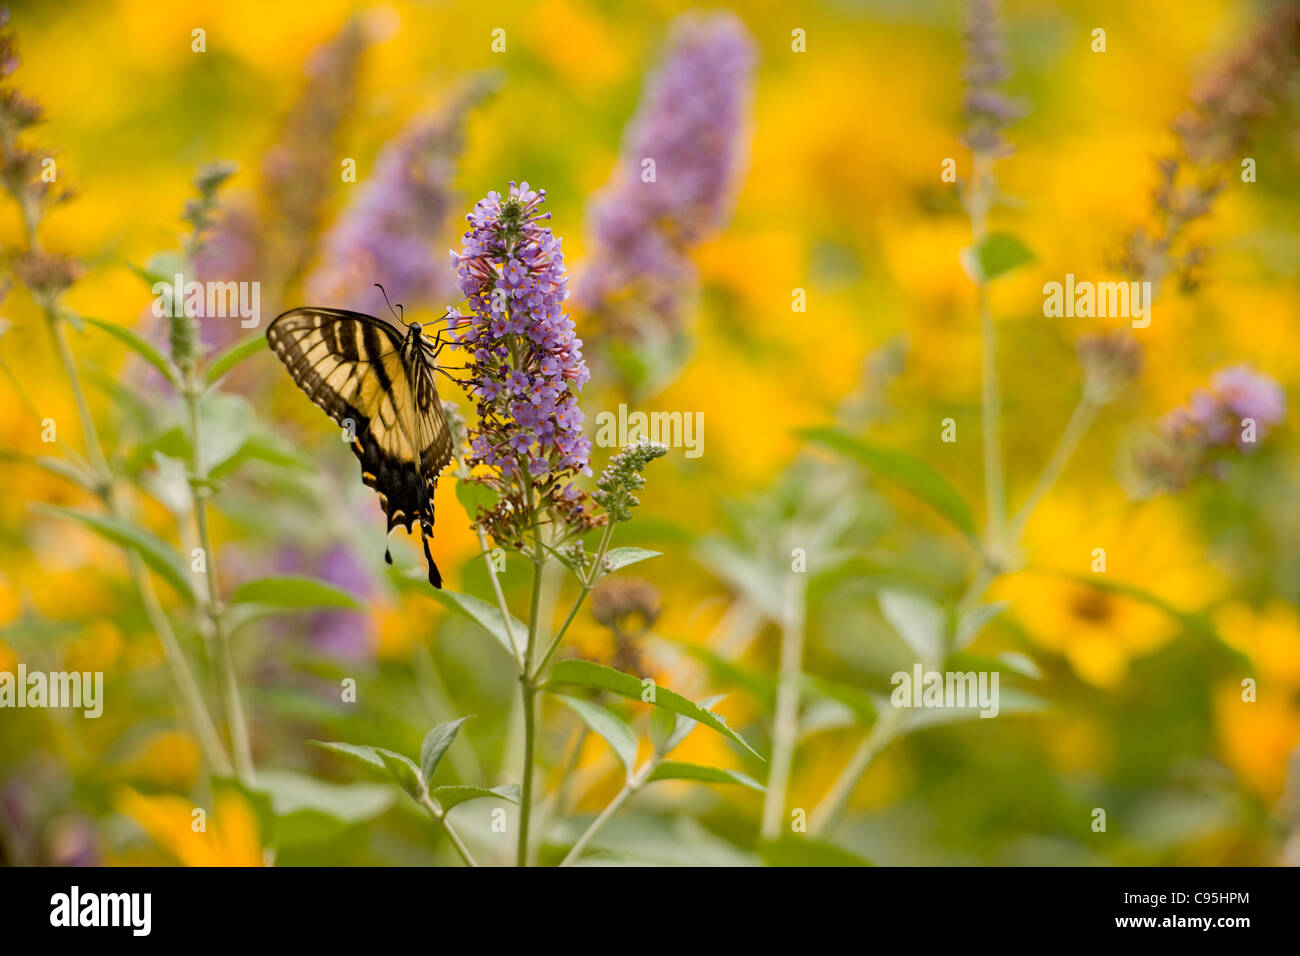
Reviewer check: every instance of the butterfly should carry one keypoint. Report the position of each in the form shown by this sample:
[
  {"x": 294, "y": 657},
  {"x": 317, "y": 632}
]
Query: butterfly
[{"x": 377, "y": 383}]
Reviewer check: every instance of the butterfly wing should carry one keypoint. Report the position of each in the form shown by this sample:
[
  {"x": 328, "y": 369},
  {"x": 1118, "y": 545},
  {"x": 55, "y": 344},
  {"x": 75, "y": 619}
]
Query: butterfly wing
[{"x": 352, "y": 366}]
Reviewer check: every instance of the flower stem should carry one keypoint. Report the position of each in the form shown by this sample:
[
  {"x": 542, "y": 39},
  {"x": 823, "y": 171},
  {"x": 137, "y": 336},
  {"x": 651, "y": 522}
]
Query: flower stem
[
  {"x": 588, "y": 583},
  {"x": 1080, "y": 419},
  {"x": 528, "y": 690},
  {"x": 440, "y": 818},
  {"x": 500, "y": 595},
  {"x": 634, "y": 783},
  {"x": 186, "y": 686},
  {"x": 785, "y": 727},
  {"x": 978, "y": 202},
  {"x": 226, "y": 673},
  {"x": 827, "y": 814}
]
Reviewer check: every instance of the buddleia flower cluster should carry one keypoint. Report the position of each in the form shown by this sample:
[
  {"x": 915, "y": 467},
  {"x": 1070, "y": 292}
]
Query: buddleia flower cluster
[
  {"x": 526, "y": 367},
  {"x": 988, "y": 110},
  {"x": 693, "y": 123},
  {"x": 622, "y": 476},
  {"x": 1234, "y": 413},
  {"x": 402, "y": 207}
]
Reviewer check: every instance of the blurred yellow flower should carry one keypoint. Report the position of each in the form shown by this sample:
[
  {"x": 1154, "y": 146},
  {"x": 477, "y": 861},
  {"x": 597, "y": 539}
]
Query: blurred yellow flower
[
  {"x": 168, "y": 759},
  {"x": 229, "y": 835},
  {"x": 1147, "y": 546},
  {"x": 1257, "y": 736}
]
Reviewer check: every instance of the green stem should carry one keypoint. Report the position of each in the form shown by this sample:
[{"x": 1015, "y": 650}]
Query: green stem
[
  {"x": 186, "y": 686},
  {"x": 785, "y": 725},
  {"x": 500, "y": 595},
  {"x": 440, "y": 817},
  {"x": 528, "y": 689},
  {"x": 826, "y": 815},
  {"x": 634, "y": 783},
  {"x": 226, "y": 672},
  {"x": 978, "y": 203},
  {"x": 1080, "y": 420},
  {"x": 588, "y": 583}
]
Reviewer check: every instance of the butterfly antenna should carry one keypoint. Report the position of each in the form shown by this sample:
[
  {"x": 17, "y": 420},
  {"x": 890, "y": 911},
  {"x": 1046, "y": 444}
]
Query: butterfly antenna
[{"x": 400, "y": 315}]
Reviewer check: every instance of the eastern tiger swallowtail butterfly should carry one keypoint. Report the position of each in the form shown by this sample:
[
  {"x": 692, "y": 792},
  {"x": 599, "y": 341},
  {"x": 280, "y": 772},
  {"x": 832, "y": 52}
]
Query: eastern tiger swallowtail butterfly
[{"x": 377, "y": 383}]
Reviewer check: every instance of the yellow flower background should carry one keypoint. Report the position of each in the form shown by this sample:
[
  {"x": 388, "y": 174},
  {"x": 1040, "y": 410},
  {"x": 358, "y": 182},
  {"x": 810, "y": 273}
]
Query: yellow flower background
[{"x": 1135, "y": 672}]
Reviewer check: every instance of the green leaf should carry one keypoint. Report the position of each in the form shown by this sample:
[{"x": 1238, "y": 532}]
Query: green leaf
[
  {"x": 725, "y": 671},
  {"x": 310, "y": 811},
  {"x": 970, "y": 626},
  {"x": 232, "y": 356},
  {"x": 142, "y": 347},
  {"x": 854, "y": 698},
  {"x": 226, "y": 422},
  {"x": 401, "y": 769},
  {"x": 55, "y": 466},
  {"x": 404, "y": 771},
  {"x": 367, "y": 755},
  {"x": 1010, "y": 700},
  {"x": 758, "y": 580},
  {"x": 293, "y": 591},
  {"x": 153, "y": 550},
  {"x": 608, "y": 725},
  {"x": 676, "y": 770},
  {"x": 997, "y": 255},
  {"x": 485, "y": 615},
  {"x": 616, "y": 558},
  {"x": 918, "y": 620},
  {"x": 1021, "y": 664},
  {"x": 910, "y": 474},
  {"x": 435, "y": 745},
  {"x": 800, "y": 850},
  {"x": 599, "y": 677},
  {"x": 454, "y": 795},
  {"x": 474, "y": 496}
]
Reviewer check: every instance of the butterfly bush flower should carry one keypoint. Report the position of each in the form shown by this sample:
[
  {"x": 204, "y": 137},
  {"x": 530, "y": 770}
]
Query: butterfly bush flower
[
  {"x": 693, "y": 122},
  {"x": 988, "y": 110},
  {"x": 299, "y": 171},
  {"x": 385, "y": 236},
  {"x": 1238, "y": 410},
  {"x": 1210, "y": 138},
  {"x": 526, "y": 364}
]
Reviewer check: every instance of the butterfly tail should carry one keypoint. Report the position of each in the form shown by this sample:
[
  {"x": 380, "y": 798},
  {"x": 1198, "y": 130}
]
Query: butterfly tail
[{"x": 435, "y": 576}]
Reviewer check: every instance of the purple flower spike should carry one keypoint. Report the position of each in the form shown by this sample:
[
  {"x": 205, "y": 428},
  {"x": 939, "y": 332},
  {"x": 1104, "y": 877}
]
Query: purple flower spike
[
  {"x": 693, "y": 122},
  {"x": 526, "y": 364},
  {"x": 385, "y": 236}
]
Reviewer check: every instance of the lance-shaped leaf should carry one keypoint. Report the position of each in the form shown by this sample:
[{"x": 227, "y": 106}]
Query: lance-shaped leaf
[
  {"x": 293, "y": 591},
  {"x": 608, "y": 725},
  {"x": 401, "y": 769},
  {"x": 574, "y": 673},
  {"x": 435, "y": 745},
  {"x": 232, "y": 356},
  {"x": 451, "y": 796},
  {"x": 485, "y": 615},
  {"x": 996, "y": 255},
  {"x": 616, "y": 558},
  {"x": 970, "y": 626},
  {"x": 918, "y": 620},
  {"x": 676, "y": 770},
  {"x": 153, "y": 550},
  {"x": 141, "y": 346},
  {"x": 910, "y": 474},
  {"x": 404, "y": 771}
]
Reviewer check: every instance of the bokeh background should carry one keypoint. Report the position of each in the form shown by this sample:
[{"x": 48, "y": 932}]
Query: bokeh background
[{"x": 1131, "y": 688}]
